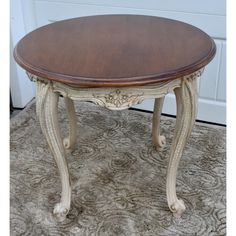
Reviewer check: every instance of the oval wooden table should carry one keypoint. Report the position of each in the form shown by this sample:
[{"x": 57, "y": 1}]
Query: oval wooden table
[{"x": 115, "y": 61}]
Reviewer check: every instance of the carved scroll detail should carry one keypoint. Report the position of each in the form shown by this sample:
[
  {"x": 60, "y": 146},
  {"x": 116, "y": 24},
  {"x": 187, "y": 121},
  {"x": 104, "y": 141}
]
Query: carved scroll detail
[
  {"x": 186, "y": 99},
  {"x": 117, "y": 98},
  {"x": 47, "y": 102}
]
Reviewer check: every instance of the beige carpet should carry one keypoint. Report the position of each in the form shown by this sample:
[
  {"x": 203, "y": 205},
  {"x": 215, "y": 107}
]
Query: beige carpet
[{"x": 118, "y": 178}]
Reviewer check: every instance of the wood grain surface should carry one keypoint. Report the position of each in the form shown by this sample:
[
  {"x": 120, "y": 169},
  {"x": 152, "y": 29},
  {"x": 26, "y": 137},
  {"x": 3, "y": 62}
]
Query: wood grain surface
[{"x": 114, "y": 50}]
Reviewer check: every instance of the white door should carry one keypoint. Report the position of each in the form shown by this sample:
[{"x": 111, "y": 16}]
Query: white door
[{"x": 206, "y": 15}]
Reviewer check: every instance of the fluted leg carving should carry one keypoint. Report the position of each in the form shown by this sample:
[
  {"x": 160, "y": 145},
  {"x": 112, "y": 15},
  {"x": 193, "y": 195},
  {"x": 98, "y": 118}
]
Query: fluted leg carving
[
  {"x": 47, "y": 104},
  {"x": 70, "y": 141},
  {"x": 159, "y": 141},
  {"x": 186, "y": 112},
  {"x": 117, "y": 99}
]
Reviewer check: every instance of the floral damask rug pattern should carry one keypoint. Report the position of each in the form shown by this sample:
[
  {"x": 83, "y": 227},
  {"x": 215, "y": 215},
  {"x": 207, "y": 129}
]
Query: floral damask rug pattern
[{"x": 118, "y": 179}]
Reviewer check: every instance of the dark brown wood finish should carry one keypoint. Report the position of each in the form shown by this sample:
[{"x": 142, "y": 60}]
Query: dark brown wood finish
[{"x": 114, "y": 50}]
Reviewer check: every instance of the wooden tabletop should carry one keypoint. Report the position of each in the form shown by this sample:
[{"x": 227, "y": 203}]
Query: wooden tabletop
[{"x": 114, "y": 50}]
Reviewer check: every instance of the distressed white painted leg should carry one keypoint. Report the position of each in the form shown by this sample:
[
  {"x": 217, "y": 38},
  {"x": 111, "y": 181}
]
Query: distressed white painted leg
[
  {"x": 70, "y": 141},
  {"x": 117, "y": 99},
  {"x": 47, "y": 104},
  {"x": 186, "y": 113},
  {"x": 159, "y": 141}
]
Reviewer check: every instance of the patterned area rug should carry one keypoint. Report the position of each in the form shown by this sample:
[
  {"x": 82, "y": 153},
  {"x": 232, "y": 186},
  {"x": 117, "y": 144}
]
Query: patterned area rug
[{"x": 118, "y": 178}]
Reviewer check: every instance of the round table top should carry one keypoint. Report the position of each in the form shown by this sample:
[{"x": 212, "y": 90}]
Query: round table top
[{"x": 114, "y": 50}]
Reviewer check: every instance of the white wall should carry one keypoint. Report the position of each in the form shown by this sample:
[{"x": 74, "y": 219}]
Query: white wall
[
  {"x": 22, "y": 90},
  {"x": 207, "y": 15}
]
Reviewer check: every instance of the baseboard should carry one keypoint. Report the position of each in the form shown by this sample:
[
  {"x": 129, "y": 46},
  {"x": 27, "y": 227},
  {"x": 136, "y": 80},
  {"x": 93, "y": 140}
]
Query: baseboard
[{"x": 208, "y": 111}]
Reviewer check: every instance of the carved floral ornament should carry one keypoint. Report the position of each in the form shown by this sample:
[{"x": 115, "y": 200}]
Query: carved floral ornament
[
  {"x": 119, "y": 98},
  {"x": 116, "y": 98},
  {"x": 185, "y": 89}
]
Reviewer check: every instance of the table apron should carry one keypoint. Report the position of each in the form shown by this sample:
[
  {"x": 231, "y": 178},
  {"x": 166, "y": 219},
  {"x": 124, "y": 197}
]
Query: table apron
[{"x": 116, "y": 98}]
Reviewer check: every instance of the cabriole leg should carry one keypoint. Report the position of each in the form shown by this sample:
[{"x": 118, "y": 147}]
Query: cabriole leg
[
  {"x": 47, "y": 104},
  {"x": 159, "y": 141},
  {"x": 70, "y": 141},
  {"x": 186, "y": 112}
]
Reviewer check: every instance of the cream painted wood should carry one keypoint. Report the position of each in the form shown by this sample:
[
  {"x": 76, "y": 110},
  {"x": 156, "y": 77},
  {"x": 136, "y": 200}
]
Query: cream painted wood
[
  {"x": 46, "y": 106},
  {"x": 70, "y": 141},
  {"x": 186, "y": 113},
  {"x": 119, "y": 98},
  {"x": 159, "y": 141}
]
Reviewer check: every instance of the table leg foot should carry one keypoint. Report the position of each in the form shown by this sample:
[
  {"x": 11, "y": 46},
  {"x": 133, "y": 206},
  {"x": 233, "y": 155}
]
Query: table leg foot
[
  {"x": 159, "y": 141},
  {"x": 70, "y": 141},
  {"x": 178, "y": 208},
  {"x": 47, "y": 104},
  {"x": 60, "y": 211},
  {"x": 186, "y": 112}
]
